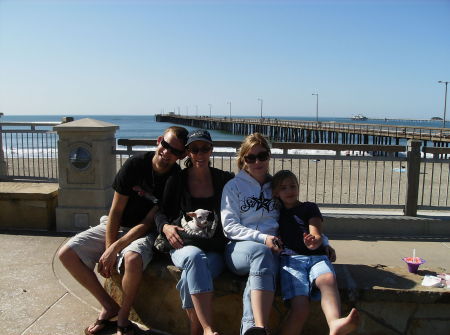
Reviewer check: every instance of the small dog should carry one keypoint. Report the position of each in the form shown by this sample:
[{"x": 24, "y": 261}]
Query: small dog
[{"x": 199, "y": 219}]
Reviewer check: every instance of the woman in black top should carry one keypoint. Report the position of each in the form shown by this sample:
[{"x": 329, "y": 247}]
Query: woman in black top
[{"x": 199, "y": 255}]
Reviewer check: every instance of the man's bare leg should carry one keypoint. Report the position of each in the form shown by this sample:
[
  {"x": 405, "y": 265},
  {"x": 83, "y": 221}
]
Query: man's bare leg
[
  {"x": 130, "y": 285},
  {"x": 88, "y": 279}
]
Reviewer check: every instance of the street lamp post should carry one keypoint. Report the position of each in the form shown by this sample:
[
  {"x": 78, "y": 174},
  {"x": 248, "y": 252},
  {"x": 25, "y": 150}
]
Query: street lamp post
[
  {"x": 445, "y": 99},
  {"x": 3, "y": 168},
  {"x": 229, "y": 102},
  {"x": 209, "y": 110},
  {"x": 196, "y": 110},
  {"x": 261, "y": 101},
  {"x": 317, "y": 106}
]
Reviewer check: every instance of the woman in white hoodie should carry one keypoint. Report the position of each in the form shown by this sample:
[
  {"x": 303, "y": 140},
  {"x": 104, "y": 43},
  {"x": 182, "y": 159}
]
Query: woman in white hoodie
[{"x": 249, "y": 219}]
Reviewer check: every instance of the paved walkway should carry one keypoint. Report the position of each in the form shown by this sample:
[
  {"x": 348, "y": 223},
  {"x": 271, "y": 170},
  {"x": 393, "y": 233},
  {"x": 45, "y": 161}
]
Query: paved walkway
[{"x": 38, "y": 296}]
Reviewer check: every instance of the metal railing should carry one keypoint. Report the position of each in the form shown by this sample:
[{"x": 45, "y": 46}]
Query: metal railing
[
  {"x": 434, "y": 179},
  {"x": 28, "y": 153},
  {"x": 345, "y": 175},
  {"x": 378, "y": 176}
]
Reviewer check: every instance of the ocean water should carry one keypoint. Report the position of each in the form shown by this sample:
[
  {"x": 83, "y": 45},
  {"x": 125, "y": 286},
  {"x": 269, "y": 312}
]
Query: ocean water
[
  {"x": 130, "y": 126},
  {"x": 145, "y": 126}
]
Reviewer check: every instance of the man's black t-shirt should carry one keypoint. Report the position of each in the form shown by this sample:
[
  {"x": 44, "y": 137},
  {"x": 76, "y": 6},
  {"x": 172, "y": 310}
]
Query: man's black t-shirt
[
  {"x": 294, "y": 222},
  {"x": 137, "y": 180}
]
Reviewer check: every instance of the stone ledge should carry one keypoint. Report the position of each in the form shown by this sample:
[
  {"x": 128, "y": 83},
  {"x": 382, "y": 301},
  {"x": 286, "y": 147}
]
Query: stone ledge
[
  {"x": 28, "y": 205},
  {"x": 33, "y": 191},
  {"x": 390, "y": 299}
]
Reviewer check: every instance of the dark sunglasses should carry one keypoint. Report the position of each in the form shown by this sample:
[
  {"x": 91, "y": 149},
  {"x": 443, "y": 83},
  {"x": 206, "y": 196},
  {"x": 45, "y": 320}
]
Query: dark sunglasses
[
  {"x": 262, "y": 156},
  {"x": 167, "y": 146},
  {"x": 196, "y": 150}
]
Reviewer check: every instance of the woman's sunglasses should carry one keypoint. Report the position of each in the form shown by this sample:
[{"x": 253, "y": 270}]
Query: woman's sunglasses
[
  {"x": 196, "y": 150},
  {"x": 167, "y": 146},
  {"x": 262, "y": 156}
]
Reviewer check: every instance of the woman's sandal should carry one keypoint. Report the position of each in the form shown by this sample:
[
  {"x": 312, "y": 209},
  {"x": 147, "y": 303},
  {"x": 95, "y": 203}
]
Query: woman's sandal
[
  {"x": 104, "y": 325},
  {"x": 127, "y": 329}
]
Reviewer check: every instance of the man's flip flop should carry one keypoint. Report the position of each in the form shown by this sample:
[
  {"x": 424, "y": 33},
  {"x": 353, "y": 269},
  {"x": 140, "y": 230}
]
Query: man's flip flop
[
  {"x": 104, "y": 325},
  {"x": 256, "y": 331},
  {"x": 126, "y": 329}
]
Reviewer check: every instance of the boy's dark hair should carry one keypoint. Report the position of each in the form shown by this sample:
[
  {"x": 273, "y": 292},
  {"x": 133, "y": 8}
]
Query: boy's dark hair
[
  {"x": 180, "y": 132},
  {"x": 281, "y": 176}
]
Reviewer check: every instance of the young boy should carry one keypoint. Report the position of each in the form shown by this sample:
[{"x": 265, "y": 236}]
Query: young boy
[{"x": 304, "y": 266}]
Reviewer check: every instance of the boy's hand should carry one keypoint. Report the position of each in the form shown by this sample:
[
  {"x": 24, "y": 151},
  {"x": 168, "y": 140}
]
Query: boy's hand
[{"x": 312, "y": 242}]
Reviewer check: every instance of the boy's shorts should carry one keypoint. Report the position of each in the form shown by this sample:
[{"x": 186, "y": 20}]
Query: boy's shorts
[
  {"x": 298, "y": 273},
  {"x": 89, "y": 245}
]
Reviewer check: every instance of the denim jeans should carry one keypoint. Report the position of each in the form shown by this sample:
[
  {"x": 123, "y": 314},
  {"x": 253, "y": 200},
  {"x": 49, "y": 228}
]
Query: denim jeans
[
  {"x": 261, "y": 265},
  {"x": 199, "y": 269}
]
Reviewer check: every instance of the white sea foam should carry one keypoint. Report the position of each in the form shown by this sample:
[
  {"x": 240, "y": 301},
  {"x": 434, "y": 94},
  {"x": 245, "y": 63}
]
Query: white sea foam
[
  {"x": 30, "y": 153},
  {"x": 144, "y": 148},
  {"x": 326, "y": 152}
]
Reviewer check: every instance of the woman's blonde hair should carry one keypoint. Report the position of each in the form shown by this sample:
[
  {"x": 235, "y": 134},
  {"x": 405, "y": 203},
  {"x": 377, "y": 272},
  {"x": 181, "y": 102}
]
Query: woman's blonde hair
[{"x": 249, "y": 142}]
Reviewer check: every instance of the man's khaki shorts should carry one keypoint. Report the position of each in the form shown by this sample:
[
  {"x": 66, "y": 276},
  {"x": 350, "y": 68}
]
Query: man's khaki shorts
[{"x": 89, "y": 245}]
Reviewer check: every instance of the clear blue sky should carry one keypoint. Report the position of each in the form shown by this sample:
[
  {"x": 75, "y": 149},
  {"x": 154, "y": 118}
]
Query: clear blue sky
[{"x": 379, "y": 58}]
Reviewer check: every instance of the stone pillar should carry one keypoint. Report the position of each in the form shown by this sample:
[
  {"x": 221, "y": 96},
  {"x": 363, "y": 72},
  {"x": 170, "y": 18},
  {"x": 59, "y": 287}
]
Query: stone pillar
[
  {"x": 412, "y": 176},
  {"x": 3, "y": 166},
  {"x": 87, "y": 166}
]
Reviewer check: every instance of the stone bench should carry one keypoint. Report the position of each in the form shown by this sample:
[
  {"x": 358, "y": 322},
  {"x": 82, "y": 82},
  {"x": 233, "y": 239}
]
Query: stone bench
[
  {"x": 28, "y": 206},
  {"x": 390, "y": 301}
]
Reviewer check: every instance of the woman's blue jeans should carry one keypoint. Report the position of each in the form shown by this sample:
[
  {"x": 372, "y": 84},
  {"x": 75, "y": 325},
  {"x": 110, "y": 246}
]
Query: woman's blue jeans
[
  {"x": 261, "y": 265},
  {"x": 199, "y": 270}
]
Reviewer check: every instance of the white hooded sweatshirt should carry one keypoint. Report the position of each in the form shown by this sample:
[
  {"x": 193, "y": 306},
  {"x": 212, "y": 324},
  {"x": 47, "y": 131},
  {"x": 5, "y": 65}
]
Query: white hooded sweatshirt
[{"x": 248, "y": 211}]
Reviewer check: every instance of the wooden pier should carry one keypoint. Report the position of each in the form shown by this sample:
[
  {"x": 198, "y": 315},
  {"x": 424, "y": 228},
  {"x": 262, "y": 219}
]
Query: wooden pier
[
  {"x": 386, "y": 119},
  {"x": 315, "y": 132}
]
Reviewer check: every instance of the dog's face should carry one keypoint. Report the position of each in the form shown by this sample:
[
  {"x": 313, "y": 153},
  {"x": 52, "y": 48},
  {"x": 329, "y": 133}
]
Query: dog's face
[{"x": 200, "y": 216}]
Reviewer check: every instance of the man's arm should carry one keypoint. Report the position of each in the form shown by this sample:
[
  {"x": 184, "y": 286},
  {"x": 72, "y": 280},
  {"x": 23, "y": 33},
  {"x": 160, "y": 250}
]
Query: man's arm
[
  {"x": 115, "y": 218},
  {"x": 136, "y": 232},
  {"x": 113, "y": 245}
]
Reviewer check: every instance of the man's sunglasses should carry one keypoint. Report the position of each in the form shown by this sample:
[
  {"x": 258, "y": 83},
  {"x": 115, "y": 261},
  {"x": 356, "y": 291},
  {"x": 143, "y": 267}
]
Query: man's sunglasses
[
  {"x": 167, "y": 146},
  {"x": 262, "y": 156},
  {"x": 196, "y": 150}
]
